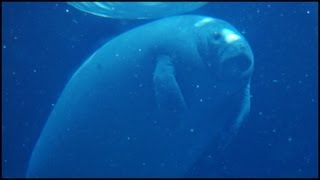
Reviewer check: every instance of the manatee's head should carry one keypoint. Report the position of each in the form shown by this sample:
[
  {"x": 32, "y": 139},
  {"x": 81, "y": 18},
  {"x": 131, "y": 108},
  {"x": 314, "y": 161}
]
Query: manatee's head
[{"x": 224, "y": 50}]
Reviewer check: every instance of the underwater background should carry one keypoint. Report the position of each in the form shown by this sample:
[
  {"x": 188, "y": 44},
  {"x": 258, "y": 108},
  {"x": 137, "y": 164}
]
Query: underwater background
[{"x": 43, "y": 44}]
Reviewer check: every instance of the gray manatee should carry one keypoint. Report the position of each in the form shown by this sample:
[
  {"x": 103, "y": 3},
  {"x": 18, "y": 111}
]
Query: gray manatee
[{"x": 148, "y": 102}]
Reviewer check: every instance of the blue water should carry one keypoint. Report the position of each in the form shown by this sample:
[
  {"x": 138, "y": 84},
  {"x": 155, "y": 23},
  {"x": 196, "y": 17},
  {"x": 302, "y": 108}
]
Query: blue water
[{"x": 44, "y": 43}]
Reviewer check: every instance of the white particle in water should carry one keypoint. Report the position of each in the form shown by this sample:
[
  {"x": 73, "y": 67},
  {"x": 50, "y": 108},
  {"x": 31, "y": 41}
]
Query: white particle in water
[
  {"x": 67, "y": 10},
  {"x": 128, "y": 138},
  {"x": 13, "y": 73},
  {"x": 201, "y": 100},
  {"x": 52, "y": 104},
  {"x": 197, "y": 86},
  {"x": 275, "y": 81},
  {"x": 308, "y": 12},
  {"x": 15, "y": 38},
  {"x": 4, "y": 46},
  {"x": 143, "y": 164},
  {"x": 274, "y": 130},
  {"x": 34, "y": 70},
  {"x": 191, "y": 130},
  {"x": 260, "y": 113},
  {"x": 140, "y": 85},
  {"x": 140, "y": 50},
  {"x": 117, "y": 55},
  {"x": 289, "y": 139}
]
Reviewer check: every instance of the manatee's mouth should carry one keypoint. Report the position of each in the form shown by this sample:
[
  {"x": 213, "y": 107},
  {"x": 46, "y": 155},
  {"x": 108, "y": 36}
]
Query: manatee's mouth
[{"x": 235, "y": 62}]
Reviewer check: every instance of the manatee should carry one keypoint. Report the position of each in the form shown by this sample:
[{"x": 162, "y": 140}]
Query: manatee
[
  {"x": 136, "y": 10},
  {"x": 149, "y": 102}
]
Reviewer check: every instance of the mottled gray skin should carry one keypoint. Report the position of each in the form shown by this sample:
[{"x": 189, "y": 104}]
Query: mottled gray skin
[{"x": 148, "y": 102}]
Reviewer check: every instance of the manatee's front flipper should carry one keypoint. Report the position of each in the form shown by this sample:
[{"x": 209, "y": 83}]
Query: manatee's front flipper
[
  {"x": 171, "y": 104},
  {"x": 214, "y": 160}
]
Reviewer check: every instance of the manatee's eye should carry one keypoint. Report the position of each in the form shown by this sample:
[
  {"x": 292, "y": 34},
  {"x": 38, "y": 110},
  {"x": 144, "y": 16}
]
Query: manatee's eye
[{"x": 216, "y": 36}]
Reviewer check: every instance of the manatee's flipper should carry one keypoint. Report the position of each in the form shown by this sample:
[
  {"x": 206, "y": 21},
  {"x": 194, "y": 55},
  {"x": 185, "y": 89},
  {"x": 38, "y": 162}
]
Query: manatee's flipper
[
  {"x": 169, "y": 98},
  {"x": 213, "y": 160},
  {"x": 239, "y": 106}
]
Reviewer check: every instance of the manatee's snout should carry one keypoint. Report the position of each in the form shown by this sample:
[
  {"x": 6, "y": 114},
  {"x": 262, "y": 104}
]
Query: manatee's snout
[
  {"x": 238, "y": 64},
  {"x": 237, "y": 61}
]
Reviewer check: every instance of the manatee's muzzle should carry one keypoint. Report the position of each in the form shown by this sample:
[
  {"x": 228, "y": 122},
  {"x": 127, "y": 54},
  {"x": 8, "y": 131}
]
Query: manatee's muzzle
[{"x": 236, "y": 62}]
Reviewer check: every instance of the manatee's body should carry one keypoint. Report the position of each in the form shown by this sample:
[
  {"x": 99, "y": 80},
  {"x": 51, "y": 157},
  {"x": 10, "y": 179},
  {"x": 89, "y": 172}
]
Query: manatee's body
[{"x": 148, "y": 102}]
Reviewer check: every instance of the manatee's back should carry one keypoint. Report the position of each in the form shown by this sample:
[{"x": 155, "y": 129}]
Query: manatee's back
[{"x": 104, "y": 116}]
